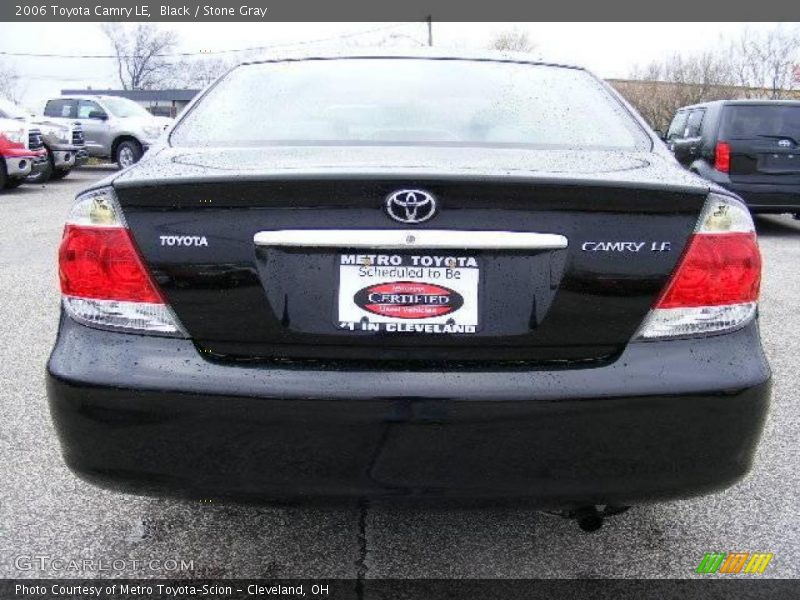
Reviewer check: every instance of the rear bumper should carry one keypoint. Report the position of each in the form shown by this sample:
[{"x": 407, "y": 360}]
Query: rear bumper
[
  {"x": 761, "y": 197},
  {"x": 769, "y": 198},
  {"x": 666, "y": 420}
]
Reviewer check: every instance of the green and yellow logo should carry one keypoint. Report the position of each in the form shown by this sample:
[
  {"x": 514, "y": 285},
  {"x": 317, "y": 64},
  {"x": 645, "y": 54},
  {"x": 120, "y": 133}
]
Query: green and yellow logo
[{"x": 734, "y": 562}]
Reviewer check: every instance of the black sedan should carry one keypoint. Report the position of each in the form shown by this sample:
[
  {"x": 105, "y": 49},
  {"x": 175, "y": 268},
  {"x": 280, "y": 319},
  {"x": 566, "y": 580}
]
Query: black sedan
[{"x": 410, "y": 276}]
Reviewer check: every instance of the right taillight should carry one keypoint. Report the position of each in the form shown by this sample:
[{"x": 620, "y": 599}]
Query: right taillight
[
  {"x": 715, "y": 286},
  {"x": 722, "y": 157},
  {"x": 104, "y": 282}
]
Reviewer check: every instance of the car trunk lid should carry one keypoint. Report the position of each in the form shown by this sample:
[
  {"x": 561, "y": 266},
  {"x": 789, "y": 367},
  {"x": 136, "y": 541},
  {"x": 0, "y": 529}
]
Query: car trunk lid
[{"x": 552, "y": 260}]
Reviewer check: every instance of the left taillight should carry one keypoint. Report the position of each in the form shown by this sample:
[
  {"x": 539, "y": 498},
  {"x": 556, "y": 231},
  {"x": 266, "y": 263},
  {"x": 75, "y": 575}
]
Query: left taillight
[
  {"x": 104, "y": 282},
  {"x": 722, "y": 157}
]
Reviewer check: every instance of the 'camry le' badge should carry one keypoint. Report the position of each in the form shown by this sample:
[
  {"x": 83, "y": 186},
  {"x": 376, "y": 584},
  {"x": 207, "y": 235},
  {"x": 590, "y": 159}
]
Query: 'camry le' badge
[
  {"x": 626, "y": 246},
  {"x": 410, "y": 206}
]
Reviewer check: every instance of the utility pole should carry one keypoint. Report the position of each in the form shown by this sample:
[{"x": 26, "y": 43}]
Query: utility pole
[{"x": 430, "y": 30}]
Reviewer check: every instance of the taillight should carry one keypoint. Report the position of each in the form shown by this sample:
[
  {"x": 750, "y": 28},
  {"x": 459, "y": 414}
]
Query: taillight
[
  {"x": 722, "y": 157},
  {"x": 715, "y": 286},
  {"x": 104, "y": 282},
  {"x": 715, "y": 270}
]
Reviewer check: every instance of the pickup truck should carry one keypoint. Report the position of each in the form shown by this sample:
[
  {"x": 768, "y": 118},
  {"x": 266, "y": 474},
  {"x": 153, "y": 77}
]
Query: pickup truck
[
  {"x": 114, "y": 128},
  {"x": 21, "y": 152},
  {"x": 63, "y": 143}
]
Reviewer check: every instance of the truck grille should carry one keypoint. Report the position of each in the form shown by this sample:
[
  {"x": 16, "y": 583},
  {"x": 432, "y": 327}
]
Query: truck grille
[
  {"x": 35, "y": 140},
  {"x": 77, "y": 135}
]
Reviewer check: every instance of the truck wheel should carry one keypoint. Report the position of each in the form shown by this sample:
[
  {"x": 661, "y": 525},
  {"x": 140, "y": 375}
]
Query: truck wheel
[
  {"x": 14, "y": 183},
  {"x": 2, "y": 174},
  {"x": 43, "y": 175},
  {"x": 59, "y": 173},
  {"x": 128, "y": 153}
]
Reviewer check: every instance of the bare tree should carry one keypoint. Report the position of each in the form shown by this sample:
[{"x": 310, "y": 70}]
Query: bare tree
[
  {"x": 9, "y": 83},
  {"x": 659, "y": 88},
  {"x": 513, "y": 40},
  {"x": 755, "y": 64},
  {"x": 766, "y": 61},
  {"x": 198, "y": 73},
  {"x": 140, "y": 53}
]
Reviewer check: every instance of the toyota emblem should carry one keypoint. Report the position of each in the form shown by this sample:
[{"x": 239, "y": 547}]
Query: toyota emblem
[{"x": 410, "y": 206}]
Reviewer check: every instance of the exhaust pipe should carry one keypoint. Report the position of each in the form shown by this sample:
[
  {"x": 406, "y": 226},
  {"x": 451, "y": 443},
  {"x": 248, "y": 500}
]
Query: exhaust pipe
[{"x": 590, "y": 517}]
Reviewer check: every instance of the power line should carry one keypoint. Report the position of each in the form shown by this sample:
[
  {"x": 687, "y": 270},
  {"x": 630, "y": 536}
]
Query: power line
[
  {"x": 209, "y": 53},
  {"x": 60, "y": 78}
]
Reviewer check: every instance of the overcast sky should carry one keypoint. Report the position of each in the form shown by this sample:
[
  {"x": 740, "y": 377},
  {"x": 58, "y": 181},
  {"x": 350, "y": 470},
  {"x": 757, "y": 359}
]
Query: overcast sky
[{"x": 608, "y": 49}]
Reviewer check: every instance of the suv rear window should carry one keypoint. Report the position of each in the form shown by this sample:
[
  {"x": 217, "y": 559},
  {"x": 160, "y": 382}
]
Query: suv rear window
[
  {"x": 410, "y": 101},
  {"x": 752, "y": 121}
]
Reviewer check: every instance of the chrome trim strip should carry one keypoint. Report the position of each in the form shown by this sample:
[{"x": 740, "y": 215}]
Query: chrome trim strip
[{"x": 410, "y": 238}]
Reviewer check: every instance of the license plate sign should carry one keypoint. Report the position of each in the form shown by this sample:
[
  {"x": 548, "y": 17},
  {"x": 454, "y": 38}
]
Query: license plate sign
[
  {"x": 780, "y": 163},
  {"x": 399, "y": 293}
]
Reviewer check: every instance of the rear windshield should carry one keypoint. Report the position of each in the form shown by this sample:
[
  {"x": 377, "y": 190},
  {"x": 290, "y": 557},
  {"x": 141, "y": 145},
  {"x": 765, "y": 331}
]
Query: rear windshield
[
  {"x": 409, "y": 101},
  {"x": 744, "y": 122}
]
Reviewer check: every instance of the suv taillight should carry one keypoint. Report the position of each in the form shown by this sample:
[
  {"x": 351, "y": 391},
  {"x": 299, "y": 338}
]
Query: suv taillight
[
  {"x": 715, "y": 286},
  {"x": 722, "y": 157},
  {"x": 104, "y": 282}
]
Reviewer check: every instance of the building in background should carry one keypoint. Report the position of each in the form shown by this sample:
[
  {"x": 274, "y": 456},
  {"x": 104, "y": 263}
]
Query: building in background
[{"x": 162, "y": 103}]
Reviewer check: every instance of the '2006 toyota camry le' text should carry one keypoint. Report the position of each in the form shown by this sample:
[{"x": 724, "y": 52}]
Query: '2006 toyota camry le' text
[{"x": 413, "y": 276}]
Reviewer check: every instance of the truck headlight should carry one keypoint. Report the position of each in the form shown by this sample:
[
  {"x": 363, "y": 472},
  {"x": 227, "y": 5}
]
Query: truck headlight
[
  {"x": 15, "y": 136},
  {"x": 62, "y": 135}
]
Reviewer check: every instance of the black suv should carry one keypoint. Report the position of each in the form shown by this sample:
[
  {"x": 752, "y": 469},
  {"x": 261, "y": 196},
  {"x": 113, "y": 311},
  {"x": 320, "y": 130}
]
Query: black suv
[{"x": 751, "y": 147}]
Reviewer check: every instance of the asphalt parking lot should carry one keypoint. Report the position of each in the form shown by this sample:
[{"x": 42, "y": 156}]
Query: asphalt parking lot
[{"x": 46, "y": 511}]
